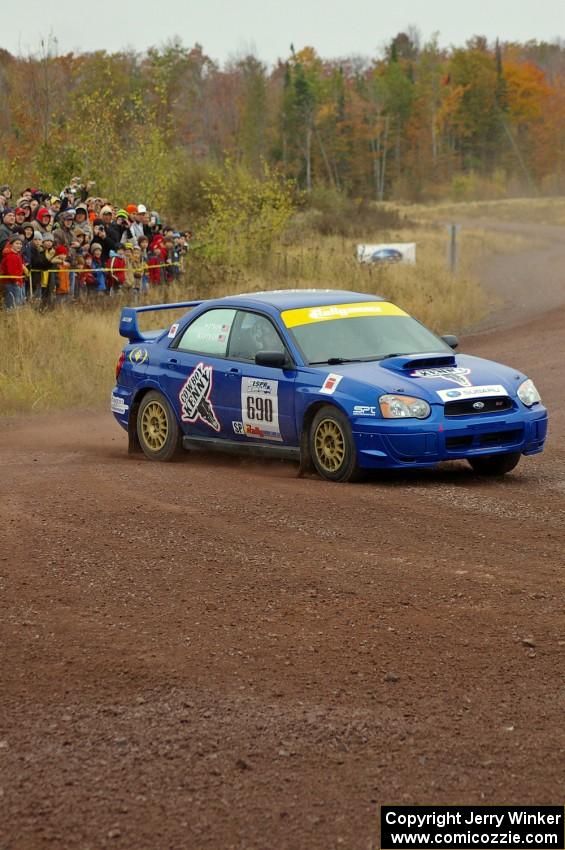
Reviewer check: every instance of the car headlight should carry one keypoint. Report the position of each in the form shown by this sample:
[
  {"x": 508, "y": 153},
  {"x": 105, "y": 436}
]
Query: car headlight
[
  {"x": 528, "y": 394},
  {"x": 403, "y": 407}
]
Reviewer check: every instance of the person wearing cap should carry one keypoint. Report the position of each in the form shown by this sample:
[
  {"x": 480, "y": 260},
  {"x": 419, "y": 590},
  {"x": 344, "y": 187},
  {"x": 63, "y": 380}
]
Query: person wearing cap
[
  {"x": 64, "y": 232},
  {"x": 55, "y": 206},
  {"x": 96, "y": 283},
  {"x": 122, "y": 225},
  {"x": 20, "y": 215},
  {"x": 26, "y": 230},
  {"x": 43, "y": 220},
  {"x": 81, "y": 215},
  {"x": 8, "y": 226},
  {"x": 113, "y": 231},
  {"x": 12, "y": 272},
  {"x": 139, "y": 226}
]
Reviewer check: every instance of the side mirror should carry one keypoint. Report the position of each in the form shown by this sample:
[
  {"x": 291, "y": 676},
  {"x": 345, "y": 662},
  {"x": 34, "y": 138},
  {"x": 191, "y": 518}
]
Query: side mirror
[
  {"x": 274, "y": 359},
  {"x": 451, "y": 340}
]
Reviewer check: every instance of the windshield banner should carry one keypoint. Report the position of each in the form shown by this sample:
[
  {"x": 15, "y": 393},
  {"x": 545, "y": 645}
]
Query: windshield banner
[{"x": 309, "y": 315}]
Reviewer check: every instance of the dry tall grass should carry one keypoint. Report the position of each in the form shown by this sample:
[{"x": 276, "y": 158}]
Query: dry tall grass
[
  {"x": 550, "y": 211},
  {"x": 66, "y": 358}
]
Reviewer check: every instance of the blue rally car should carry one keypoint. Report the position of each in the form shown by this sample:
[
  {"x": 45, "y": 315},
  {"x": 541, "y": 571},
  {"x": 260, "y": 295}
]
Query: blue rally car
[{"x": 341, "y": 381}]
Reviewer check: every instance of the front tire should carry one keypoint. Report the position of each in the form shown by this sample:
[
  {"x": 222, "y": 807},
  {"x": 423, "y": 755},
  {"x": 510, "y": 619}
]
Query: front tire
[
  {"x": 495, "y": 464},
  {"x": 331, "y": 445},
  {"x": 158, "y": 431}
]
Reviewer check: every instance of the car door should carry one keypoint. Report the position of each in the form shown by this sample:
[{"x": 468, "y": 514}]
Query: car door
[
  {"x": 194, "y": 374},
  {"x": 259, "y": 399}
]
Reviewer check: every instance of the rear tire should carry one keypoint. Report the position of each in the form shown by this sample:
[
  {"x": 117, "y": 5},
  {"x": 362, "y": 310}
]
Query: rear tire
[
  {"x": 495, "y": 464},
  {"x": 331, "y": 446},
  {"x": 158, "y": 431}
]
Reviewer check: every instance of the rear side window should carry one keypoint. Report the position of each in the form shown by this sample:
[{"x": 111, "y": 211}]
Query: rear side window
[{"x": 208, "y": 334}]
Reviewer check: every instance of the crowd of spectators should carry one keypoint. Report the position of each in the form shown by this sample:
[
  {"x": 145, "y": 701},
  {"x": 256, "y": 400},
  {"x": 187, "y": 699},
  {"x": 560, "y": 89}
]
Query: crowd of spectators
[{"x": 56, "y": 248}]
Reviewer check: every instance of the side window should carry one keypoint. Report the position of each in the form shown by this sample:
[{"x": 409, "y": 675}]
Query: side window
[
  {"x": 209, "y": 333},
  {"x": 253, "y": 333}
]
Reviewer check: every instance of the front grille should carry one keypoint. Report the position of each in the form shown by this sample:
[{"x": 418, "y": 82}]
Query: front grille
[
  {"x": 465, "y": 407},
  {"x": 463, "y": 442}
]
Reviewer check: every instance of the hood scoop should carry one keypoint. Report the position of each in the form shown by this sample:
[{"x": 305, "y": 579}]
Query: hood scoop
[{"x": 410, "y": 362}]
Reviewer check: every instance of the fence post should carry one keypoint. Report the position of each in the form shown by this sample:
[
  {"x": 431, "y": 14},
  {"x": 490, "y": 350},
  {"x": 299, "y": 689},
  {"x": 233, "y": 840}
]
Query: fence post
[{"x": 453, "y": 248}]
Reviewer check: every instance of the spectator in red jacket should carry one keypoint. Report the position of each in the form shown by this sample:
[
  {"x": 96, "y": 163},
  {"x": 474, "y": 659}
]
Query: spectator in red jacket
[
  {"x": 117, "y": 266},
  {"x": 12, "y": 271},
  {"x": 154, "y": 264}
]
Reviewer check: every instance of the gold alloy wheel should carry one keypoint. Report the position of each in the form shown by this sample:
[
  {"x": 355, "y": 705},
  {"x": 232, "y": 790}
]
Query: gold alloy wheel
[
  {"x": 154, "y": 426},
  {"x": 329, "y": 445}
]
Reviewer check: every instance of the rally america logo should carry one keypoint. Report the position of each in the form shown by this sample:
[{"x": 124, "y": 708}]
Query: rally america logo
[
  {"x": 195, "y": 398},
  {"x": 455, "y": 374}
]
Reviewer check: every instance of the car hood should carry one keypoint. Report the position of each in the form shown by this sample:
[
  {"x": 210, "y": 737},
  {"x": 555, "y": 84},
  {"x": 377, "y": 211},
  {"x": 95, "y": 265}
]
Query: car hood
[{"x": 424, "y": 375}]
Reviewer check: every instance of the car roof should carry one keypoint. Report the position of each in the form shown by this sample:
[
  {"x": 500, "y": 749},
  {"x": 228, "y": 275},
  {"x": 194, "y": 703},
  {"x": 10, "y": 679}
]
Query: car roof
[{"x": 291, "y": 299}]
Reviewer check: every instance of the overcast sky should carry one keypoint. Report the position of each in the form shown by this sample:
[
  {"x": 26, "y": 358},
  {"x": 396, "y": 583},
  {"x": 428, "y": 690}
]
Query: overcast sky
[{"x": 227, "y": 28}]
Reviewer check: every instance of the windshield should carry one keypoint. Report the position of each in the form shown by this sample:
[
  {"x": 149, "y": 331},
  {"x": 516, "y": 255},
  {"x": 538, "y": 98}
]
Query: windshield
[{"x": 369, "y": 331}]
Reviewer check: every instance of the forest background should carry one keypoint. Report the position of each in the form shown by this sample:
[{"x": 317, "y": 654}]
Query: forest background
[{"x": 417, "y": 123}]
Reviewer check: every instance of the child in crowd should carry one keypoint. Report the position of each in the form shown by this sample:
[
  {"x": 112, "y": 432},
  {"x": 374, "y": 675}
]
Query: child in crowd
[
  {"x": 97, "y": 283},
  {"x": 63, "y": 291},
  {"x": 137, "y": 269},
  {"x": 143, "y": 243},
  {"x": 80, "y": 276},
  {"x": 117, "y": 269},
  {"x": 37, "y": 262},
  {"x": 49, "y": 276},
  {"x": 129, "y": 275},
  {"x": 154, "y": 262}
]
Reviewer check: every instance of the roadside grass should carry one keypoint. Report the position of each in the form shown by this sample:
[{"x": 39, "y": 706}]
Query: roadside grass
[
  {"x": 66, "y": 358},
  {"x": 547, "y": 211}
]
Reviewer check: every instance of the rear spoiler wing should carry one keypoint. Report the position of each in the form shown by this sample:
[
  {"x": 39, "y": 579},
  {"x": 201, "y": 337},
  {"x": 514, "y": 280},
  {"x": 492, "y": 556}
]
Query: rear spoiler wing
[{"x": 129, "y": 326}]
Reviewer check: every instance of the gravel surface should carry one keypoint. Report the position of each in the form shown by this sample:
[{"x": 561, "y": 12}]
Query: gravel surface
[{"x": 218, "y": 654}]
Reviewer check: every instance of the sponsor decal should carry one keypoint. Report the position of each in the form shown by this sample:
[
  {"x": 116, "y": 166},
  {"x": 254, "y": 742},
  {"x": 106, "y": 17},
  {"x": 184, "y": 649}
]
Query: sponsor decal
[
  {"x": 173, "y": 330},
  {"x": 118, "y": 405},
  {"x": 127, "y": 319},
  {"x": 238, "y": 428},
  {"x": 364, "y": 410},
  {"x": 472, "y": 392},
  {"x": 309, "y": 315},
  {"x": 330, "y": 384},
  {"x": 137, "y": 356},
  {"x": 260, "y": 408},
  {"x": 195, "y": 397},
  {"x": 258, "y": 431},
  {"x": 455, "y": 374}
]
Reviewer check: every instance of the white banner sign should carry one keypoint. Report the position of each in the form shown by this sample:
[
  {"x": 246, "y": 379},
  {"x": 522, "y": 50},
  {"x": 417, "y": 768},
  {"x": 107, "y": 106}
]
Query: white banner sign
[{"x": 387, "y": 252}]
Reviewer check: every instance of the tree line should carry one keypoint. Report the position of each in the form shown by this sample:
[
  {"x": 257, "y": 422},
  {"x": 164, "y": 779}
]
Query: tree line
[{"x": 418, "y": 122}]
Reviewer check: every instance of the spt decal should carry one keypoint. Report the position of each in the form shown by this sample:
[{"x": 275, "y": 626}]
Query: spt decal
[{"x": 195, "y": 397}]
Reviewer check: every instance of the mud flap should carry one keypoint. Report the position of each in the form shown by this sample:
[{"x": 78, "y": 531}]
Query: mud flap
[{"x": 305, "y": 466}]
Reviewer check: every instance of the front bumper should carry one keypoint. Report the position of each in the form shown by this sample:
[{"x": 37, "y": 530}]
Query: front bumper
[{"x": 387, "y": 443}]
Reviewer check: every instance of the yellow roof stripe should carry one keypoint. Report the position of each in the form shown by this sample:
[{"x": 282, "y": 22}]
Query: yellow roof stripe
[{"x": 310, "y": 315}]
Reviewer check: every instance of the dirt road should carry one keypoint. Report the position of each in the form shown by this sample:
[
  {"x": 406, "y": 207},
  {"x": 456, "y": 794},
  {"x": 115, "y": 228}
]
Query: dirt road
[{"x": 217, "y": 654}]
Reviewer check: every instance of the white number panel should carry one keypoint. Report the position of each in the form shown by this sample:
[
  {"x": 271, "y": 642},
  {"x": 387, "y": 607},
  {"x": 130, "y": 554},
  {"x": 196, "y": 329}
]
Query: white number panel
[{"x": 260, "y": 408}]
